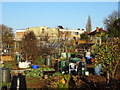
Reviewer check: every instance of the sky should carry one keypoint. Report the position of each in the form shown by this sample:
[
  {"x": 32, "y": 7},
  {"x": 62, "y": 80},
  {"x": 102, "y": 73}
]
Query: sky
[{"x": 72, "y": 15}]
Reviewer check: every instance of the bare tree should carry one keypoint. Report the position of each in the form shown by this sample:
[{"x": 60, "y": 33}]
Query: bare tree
[
  {"x": 112, "y": 24},
  {"x": 110, "y": 19},
  {"x": 7, "y": 37},
  {"x": 63, "y": 38},
  {"x": 29, "y": 48},
  {"x": 45, "y": 45}
]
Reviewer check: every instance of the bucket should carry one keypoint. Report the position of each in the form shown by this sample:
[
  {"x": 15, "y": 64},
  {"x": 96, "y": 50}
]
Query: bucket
[
  {"x": 35, "y": 66},
  {"x": 18, "y": 58},
  {"x": 63, "y": 55},
  {"x": 64, "y": 65},
  {"x": 87, "y": 73},
  {"x": 48, "y": 61},
  {"x": 68, "y": 55},
  {"x": 73, "y": 55}
]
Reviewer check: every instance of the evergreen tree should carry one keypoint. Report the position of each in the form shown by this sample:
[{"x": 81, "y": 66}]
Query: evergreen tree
[{"x": 88, "y": 26}]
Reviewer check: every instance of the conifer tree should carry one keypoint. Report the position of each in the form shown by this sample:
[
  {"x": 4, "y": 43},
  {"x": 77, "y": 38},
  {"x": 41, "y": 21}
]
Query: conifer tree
[{"x": 88, "y": 26}]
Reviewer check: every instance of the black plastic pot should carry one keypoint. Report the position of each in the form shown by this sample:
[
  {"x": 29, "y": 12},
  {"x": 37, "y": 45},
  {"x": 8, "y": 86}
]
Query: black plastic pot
[{"x": 18, "y": 83}]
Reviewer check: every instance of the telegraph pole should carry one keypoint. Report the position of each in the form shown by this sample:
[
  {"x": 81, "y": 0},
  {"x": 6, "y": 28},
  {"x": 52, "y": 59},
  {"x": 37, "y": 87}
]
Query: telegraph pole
[{"x": 119, "y": 9}]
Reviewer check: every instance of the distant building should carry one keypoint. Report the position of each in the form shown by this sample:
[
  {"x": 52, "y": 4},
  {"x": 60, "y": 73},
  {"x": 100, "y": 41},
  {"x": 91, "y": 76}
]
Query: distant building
[
  {"x": 53, "y": 34},
  {"x": 38, "y": 30},
  {"x": 74, "y": 33},
  {"x": 95, "y": 36},
  {"x": 19, "y": 34}
]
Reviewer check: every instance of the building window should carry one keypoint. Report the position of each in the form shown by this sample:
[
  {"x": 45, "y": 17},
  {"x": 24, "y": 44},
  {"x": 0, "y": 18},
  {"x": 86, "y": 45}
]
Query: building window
[{"x": 76, "y": 33}]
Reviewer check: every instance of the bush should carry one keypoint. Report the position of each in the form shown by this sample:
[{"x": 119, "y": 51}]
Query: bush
[{"x": 37, "y": 72}]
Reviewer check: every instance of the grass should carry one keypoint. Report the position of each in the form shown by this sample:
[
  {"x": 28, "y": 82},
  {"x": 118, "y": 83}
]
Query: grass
[
  {"x": 32, "y": 79},
  {"x": 6, "y": 84},
  {"x": 12, "y": 65}
]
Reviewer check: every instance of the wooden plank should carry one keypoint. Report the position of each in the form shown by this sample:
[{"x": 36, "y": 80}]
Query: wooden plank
[{"x": 7, "y": 58}]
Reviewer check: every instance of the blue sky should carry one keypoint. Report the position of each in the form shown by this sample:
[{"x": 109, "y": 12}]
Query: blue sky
[{"x": 72, "y": 15}]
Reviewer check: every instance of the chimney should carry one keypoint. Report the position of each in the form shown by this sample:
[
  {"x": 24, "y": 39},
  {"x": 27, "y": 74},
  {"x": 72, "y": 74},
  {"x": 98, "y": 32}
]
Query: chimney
[
  {"x": 101, "y": 28},
  {"x": 82, "y": 29},
  {"x": 97, "y": 29}
]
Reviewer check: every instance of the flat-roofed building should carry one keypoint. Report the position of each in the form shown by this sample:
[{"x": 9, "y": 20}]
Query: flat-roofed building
[
  {"x": 19, "y": 34},
  {"x": 38, "y": 30},
  {"x": 73, "y": 33}
]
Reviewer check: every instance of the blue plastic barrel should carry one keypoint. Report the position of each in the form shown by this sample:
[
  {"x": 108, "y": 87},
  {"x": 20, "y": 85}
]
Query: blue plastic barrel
[
  {"x": 97, "y": 69},
  {"x": 35, "y": 66},
  {"x": 88, "y": 59}
]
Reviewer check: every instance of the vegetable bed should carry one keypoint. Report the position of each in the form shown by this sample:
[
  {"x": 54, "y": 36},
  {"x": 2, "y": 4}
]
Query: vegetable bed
[{"x": 38, "y": 72}]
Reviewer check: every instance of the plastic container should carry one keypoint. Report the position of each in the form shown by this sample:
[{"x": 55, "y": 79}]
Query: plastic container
[
  {"x": 98, "y": 69},
  {"x": 75, "y": 59},
  {"x": 64, "y": 65},
  {"x": 87, "y": 73},
  {"x": 18, "y": 58},
  {"x": 18, "y": 83},
  {"x": 48, "y": 61},
  {"x": 88, "y": 59},
  {"x": 23, "y": 65},
  {"x": 35, "y": 66},
  {"x": 68, "y": 55},
  {"x": 73, "y": 55},
  {"x": 6, "y": 76},
  {"x": 64, "y": 55}
]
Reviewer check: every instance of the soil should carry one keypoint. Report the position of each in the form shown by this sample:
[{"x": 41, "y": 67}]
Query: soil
[
  {"x": 32, "y": 82},
  {"x": 87, "y": 82}
]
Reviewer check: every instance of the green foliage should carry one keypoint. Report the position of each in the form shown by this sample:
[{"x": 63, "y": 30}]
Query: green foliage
[
  {"x": 57, "y": 74},
  {"x": 37, "y": 72},
  {"x": 67, "y": 77},
  {"x": 114, "y": 28},
  {"x": 40, "y": 61},
  {"x": 64, "y": 82},
  {"x": 109, "y": 55},
  {"x": 60, "y": 85},
  {"x": 63, "y": 59},
  {"x": 84, "y": 36},
  {"x": 6, "y": 84},
  {"x": 11, "y": 65}
]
